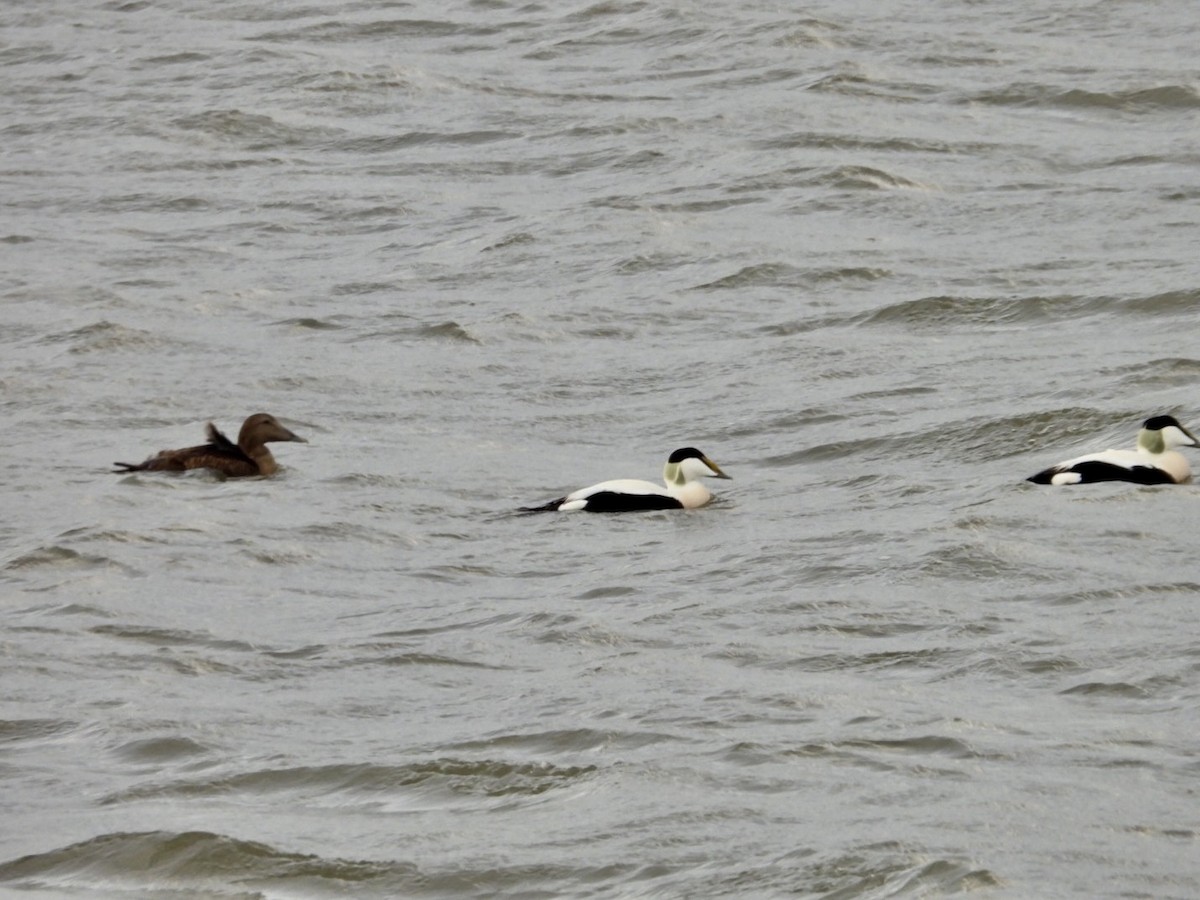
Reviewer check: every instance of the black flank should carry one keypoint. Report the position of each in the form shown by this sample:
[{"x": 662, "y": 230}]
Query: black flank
[
  {"x": 1096, "y": 470},
  {"x": 611, "y": 501}
]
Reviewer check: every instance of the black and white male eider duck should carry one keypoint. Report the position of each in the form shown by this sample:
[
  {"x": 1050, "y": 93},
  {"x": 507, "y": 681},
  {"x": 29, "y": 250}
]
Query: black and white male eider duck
[
  {"x": 683, "y": 489},
  {"x": 249, "y": 456},
  {"x": 1154, "y": 460}
]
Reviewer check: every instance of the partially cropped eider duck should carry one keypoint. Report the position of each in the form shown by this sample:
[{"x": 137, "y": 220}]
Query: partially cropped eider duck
[
  {"x": 1154, "y": 461},
  {"x": 683, "y": 489},
  {"x": 249, "y": 456}
]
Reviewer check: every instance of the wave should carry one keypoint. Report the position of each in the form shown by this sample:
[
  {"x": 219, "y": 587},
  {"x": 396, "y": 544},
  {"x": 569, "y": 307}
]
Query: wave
[
  {"x": 201, "y": 864},
  {"x": 192, "y": 861},
  {"x": 254, "y": 131},
  {"x": 104, "y": 336},
  {"x": 16, "y": 731},
  {"x": 943, "y": 311},
  {"x": 445, "y": 781},
  {"x": 1170, "y": 97},
  {"x": 442, "y": 331},
  {"x": 784, "y": 275}
]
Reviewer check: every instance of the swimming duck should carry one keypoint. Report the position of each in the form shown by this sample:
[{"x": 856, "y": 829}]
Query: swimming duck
[
  {"x": 1154, "y": 461},
  {"x": 682, "y": 491},
  {"x": 249, "y": 456}
]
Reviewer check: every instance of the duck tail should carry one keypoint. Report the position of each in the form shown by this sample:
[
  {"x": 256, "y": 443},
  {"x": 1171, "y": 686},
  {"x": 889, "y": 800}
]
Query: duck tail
[{"x": 552, "y": 506}]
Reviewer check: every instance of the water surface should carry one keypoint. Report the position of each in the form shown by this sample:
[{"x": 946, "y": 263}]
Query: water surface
[{"x": 880, "y": 264}]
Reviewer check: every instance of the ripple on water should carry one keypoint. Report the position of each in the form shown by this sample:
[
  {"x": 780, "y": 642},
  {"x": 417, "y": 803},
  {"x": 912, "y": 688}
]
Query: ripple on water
[
  {"x": 1158, "y": 374},
  {"x": 441, "y": 782},
  {"x": 195, "y": 861},
  {"x": 18, "y": 731},
  {"x": 881, "y": 259},
  {"x": 107, "y": 337},
  {"x": 157, "y": 751},
  {"x": 53, "y": 566},
  {"x": 574, "y": 740},
  {"x": 1144, "y": 100},
  {"x": 938, "y": 313},
  {"x": 786, "y": 275},
  {"x": 169, "y": 637}
]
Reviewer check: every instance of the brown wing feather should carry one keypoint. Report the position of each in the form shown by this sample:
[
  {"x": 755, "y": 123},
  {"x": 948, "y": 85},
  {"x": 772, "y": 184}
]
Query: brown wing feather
[{"x": 219, "y": 453}]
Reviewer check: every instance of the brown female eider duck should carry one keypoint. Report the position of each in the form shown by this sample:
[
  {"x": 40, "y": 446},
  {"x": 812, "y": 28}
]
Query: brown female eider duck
[{"x": 249, "y": 456}]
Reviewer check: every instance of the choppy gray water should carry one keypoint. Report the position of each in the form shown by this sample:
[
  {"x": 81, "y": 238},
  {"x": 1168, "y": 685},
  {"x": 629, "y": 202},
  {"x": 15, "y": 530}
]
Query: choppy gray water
[{"x": 880, "y": 263}]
